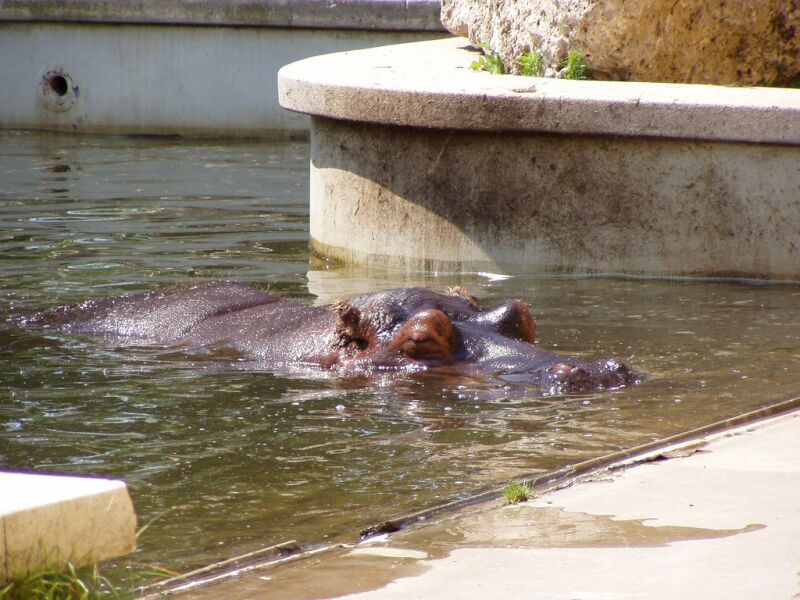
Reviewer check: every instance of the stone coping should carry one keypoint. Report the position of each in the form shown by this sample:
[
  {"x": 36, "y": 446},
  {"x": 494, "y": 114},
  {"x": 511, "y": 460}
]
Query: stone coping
[
  {"x": 431, "y": 84},
  {"x": 399, "y": 15},
  {"x": 47, "y": 520},
  {"x": 35, "y": 490}
]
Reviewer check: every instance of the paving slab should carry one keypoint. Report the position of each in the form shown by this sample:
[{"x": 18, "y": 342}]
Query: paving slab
[
  {"x": 714, "y": 519},
  {"x": 46, "y": 520}
]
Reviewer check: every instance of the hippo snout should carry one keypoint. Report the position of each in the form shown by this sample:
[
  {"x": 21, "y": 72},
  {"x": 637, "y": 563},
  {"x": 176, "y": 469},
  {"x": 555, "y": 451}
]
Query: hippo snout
[{"x": 589, "y": 377}]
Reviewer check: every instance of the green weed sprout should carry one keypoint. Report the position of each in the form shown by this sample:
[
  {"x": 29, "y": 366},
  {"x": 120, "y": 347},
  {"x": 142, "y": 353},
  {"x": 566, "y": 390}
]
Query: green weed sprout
[
  {"x": 516, "y": 492},
  {"x": 531, "y": 63},
  {"x": 782, "y": 78},
  {"x": 51, "y": 584},
  {"x": 490, "y": 61},
  {"x": 574, "y": 67}
]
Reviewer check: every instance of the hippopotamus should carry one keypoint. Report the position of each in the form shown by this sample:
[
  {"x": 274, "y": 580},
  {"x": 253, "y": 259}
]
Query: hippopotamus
[{"x": 396, "y": 329}]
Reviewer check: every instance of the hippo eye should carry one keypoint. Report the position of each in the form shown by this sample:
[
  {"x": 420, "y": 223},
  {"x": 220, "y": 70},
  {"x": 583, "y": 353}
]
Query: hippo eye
[
  {"x": 512, "y": 319},
  {"x": 428, "y": 335}
]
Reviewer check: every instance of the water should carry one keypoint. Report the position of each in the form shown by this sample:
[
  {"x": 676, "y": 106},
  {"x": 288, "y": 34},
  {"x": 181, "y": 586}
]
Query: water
[{"x": 230, "y": 461}]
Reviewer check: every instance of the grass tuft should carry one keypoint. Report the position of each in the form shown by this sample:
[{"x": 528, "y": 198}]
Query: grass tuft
[
  {"x": 50, "y": 584},
  {"x": 516, "y": 492}
]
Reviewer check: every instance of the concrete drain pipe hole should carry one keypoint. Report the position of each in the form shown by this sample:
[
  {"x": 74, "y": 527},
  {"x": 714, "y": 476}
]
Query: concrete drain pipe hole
[
  {"x": 57, "y": 91},
  {"x": 59, "y": 85}
]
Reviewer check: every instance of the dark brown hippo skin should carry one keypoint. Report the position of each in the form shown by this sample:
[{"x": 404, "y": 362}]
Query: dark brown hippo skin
[{"x": 404, "y": 328}]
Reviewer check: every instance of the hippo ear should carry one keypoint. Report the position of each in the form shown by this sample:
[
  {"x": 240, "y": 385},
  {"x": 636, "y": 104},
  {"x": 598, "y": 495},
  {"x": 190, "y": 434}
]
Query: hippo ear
[
  {"x": 348, "y": 324},
  {"x": 512, "y": 319}
]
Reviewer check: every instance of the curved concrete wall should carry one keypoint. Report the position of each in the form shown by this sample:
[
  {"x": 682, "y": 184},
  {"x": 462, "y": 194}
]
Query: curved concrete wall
[
  {"x": 420, "y": 163},
  {"x": 179, "y": 67},
  {"x": 401, "y": 197}
]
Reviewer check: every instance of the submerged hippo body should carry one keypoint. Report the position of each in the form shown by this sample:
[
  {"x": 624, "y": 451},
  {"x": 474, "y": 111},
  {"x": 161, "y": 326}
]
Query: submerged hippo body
[{"x": 406, "y": 328}]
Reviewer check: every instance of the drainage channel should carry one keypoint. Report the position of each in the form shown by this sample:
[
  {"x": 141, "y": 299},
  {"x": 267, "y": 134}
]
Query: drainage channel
[{"x": 291, "y": 551}]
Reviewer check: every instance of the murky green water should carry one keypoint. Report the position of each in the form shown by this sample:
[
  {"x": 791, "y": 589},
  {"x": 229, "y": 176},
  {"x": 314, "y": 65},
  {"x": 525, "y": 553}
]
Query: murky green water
[{"x": 243, "y": 460}]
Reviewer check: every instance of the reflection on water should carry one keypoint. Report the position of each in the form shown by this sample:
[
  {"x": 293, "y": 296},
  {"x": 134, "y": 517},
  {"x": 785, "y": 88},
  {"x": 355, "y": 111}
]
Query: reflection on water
[{"x": 242, "y": 460}]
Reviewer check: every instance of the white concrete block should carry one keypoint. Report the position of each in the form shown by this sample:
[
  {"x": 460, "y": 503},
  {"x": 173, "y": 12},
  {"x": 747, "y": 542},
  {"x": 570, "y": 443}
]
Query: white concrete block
[{"x": 52, "y": 519}]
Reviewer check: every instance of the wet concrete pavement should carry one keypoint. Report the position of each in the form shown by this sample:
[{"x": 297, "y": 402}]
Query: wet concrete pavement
[{"x": 718, "y": 518}]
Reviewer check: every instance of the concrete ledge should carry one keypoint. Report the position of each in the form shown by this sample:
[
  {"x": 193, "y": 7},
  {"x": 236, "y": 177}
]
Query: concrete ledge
[
  {"x": 420, "y": 163},
  {"x": 407, "y": 15},
  {"x": 431, "y": 84},
  {"x": 47, "y": 520}
]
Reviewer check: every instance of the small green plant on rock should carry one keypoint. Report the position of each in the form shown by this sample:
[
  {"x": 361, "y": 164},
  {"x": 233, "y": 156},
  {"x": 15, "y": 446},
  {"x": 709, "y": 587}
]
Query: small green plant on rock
[
  {"x": 516, "y": 492},
  {"x": 531, "y": 63},
  {"x": 574, "y": 68},
  {"x": 783, "y": 79},
  {"x": 490, "y": 61}
]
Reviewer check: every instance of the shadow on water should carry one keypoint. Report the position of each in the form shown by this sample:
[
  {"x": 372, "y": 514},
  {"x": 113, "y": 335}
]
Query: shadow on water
[{"x": 240, "y": 460}]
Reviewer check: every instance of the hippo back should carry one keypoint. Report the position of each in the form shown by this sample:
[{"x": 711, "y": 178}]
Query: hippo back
[{"x": 158, "y": 317}]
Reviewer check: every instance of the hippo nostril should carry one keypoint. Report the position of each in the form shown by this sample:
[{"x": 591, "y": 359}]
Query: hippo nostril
[
  {"x": 616, "y": 373},
  {"x": 611, "y": 365},
  {"x": 580, "y": 380},
  {"x": 570, "y": 378},
  {"x": 561, "y": 369}
]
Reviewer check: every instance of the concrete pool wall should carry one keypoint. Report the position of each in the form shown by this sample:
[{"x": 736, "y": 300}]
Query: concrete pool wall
[
  {"x": 421, "y": 163},
  {"x": 179, "y": 67}
]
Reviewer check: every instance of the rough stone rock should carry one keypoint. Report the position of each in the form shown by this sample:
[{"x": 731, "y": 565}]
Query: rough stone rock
[{"x": 690, "y": 41}]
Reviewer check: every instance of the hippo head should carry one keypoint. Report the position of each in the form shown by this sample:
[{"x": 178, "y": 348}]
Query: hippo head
[{"x": 419, "y": 328}]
